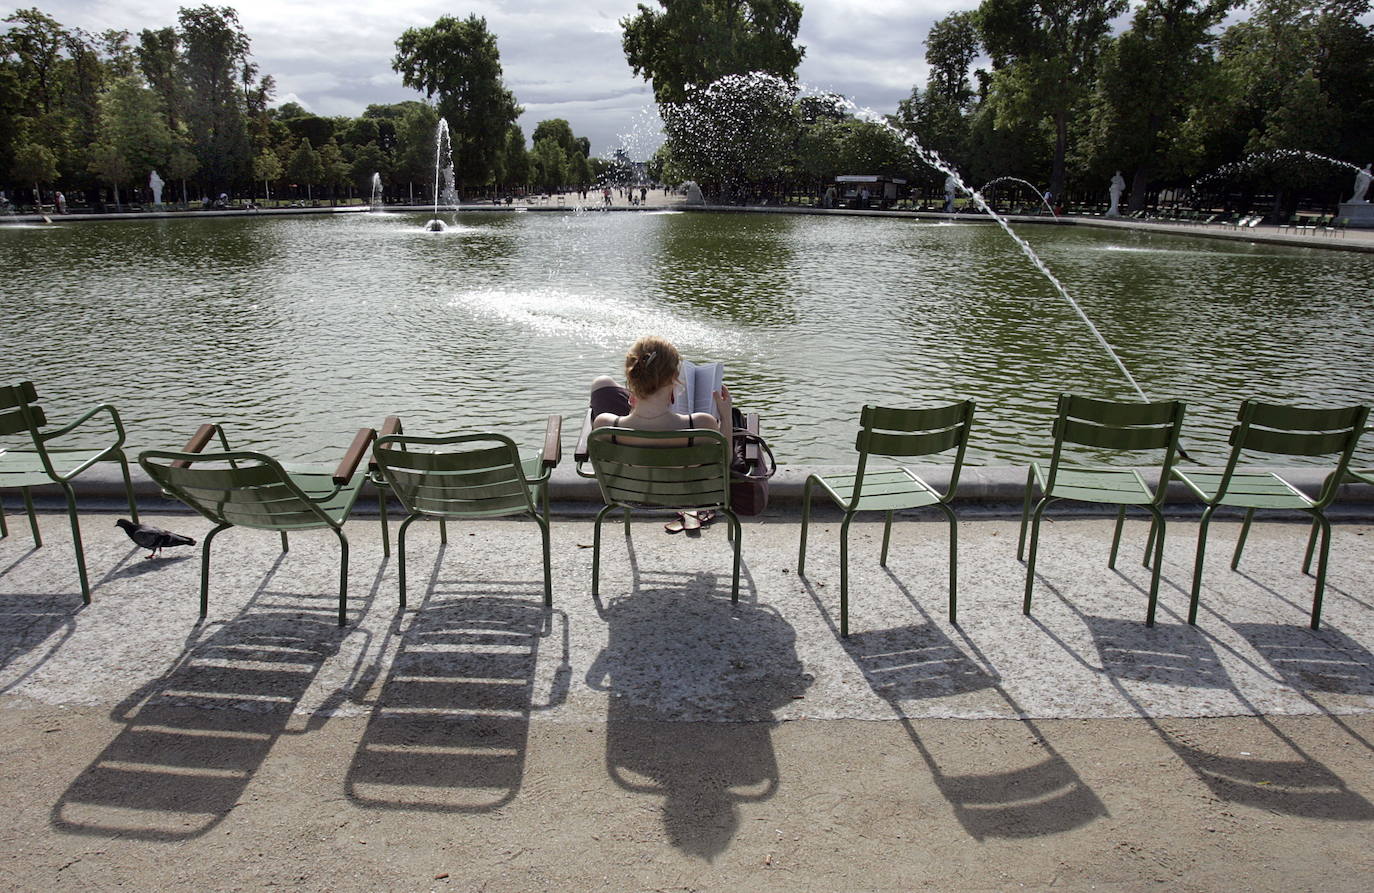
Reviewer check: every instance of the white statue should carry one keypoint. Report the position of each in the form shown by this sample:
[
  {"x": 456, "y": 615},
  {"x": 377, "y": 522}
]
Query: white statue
[
  {"x": 951, "y": 187},
  {"x": 1361, "y": 186},
  {"x": 1118, "y": 187},
  {"x": 155, "y": 184}
]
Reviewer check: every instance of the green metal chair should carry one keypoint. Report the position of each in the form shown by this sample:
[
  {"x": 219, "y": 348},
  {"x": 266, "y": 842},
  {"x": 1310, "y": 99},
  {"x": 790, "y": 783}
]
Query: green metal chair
[
  {"x": 240, "y": 488},
  {"x": 689, "y": 477},
  {"x": 904, "y": 433},
  {"x": 1119, "y": 427},
  {"x": 1277, "y": 430},
  {"x": 43, "y": 463},
  {"x": 467, "y": 476}
]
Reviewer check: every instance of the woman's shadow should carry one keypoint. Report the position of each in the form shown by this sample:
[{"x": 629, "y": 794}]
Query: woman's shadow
[{"x": 692, "y": 684}]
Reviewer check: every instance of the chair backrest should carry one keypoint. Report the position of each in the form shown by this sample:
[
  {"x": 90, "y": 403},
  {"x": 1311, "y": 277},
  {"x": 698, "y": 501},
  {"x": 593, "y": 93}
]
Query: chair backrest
[
  {"x": 242, "y": 488},
  {"x": 1296, "y": 431},
  {"x": 907, "y": 433},
  {"x": 1118, "y": 426},
  {"x": 477, "y": 476},
  {"x": 19, "y": 411},
  {"x": 691, "y": 475}
]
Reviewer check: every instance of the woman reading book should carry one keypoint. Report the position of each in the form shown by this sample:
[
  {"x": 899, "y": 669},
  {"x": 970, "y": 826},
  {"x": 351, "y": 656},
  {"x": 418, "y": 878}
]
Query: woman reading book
[
  {"x": 652, "y": 369},
  {"x": 652, "y": 376}
]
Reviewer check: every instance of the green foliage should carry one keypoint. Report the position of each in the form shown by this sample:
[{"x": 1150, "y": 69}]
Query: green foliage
[
  {"x": 550, "y": 164},
  {"x": 737, "y": 131},
  {"x": 214, "y": 63},
  {"x": 34, "y": 165},
  {"x": 304, "y": 167},
  {"x": 133, "y": 123},
  {"x": 693, "y": 44},
  {"x": 558, "y": 130},
  {"x": 515, "y": 159},
  {"x": 368, "y": 160},
  {"x": 457, "y": 61},
  {"x": 334, "y": 170}
]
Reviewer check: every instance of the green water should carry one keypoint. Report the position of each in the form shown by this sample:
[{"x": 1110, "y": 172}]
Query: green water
[{"x": 295, "y": 331}]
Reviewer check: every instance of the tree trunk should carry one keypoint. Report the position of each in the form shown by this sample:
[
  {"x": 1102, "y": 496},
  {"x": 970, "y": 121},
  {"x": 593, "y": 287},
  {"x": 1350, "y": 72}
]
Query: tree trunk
[
  {"x": 1061, "y": 147},
  {"x": 1139, "y": 181},
  {"x": 115, "y": 187}
]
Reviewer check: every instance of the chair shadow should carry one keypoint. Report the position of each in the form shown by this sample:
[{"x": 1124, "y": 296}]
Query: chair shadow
[
  {"x": 449, "y": 731},
  {"x": 692, "y": 685},
  {"x": 919, "y": 662},
  {"x": 1326, "y": 660},
  {"x": 27, "y": 623},
  {"x": 194, "y": 738},
  {"x": 1183, "y": 656}
]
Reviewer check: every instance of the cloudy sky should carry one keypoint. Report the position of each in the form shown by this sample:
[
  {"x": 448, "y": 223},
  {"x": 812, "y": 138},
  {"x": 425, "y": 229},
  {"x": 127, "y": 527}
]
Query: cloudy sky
[{"x": 562, "y": 58}]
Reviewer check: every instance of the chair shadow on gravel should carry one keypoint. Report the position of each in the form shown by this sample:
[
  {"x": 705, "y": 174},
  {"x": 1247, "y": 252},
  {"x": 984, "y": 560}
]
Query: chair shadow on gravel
[
  {"x": 193, "y": 738},
  {"x": 29, "y": 623},
  {"x": 920, "y": 662},
  {"x": 449, "y": 730},
  {"x": 1325, "y": 660},
  {"x": 692, "y": 682},
  {"x": 1275, "y": 774}
]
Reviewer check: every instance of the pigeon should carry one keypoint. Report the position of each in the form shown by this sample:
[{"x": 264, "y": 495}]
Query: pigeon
[{"x": 154, "y": 538}]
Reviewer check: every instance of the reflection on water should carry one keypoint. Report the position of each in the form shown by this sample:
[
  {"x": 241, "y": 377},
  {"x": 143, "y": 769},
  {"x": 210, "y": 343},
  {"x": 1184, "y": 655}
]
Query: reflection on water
[{"x": 296, "y": 330}]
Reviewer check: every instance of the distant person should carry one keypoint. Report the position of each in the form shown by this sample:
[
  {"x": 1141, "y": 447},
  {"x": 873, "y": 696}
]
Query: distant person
[
  {"x": 643, "y": 194},
  {"x": 61, "y": 201}
]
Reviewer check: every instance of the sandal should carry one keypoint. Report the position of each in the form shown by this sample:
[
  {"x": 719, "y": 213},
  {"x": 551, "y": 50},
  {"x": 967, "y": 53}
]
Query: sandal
[{"x": 677, "y": 525}]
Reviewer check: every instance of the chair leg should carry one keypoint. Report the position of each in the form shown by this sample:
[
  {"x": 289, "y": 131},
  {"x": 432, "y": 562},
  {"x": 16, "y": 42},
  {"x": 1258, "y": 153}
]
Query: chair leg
[
  {"x": 1156, "y": 524},
  {"x": 1197, "y": 563},
  {"x": 128, "y": 485},
  {"x": 735, "y": 529},
  {"x": 805, "y": 520},
  {"x": 386, "y": 524},
  {"x": 953, "y": 562},
  {"x": 285, "y": 543},
  {"x": 1025, "y": 513},
  {"x": 401, "y": 555},
  {"x": 627, "y": 522},
  {"x": 1311, "y": 545},
  {"x": 205, "y": 569},
  {"x": 33, "y": 517},
  {"x": 887, "y": 537},
  {"x": 1034, "y": 544},
  {"x": 1116, "y": 536},
  {"x": 596, "y": 549},
  {"x": 4, "y": 529},
  {"x": 1240, "y": 542},
  {"x": 1321, "y": 569},
  {"x": 343, "y": 576},
  {"x": 76, "y": 544},
  {"x": 548, "y": 566},
  {"x": 844, "y": 575},
  {"x": 1150, "y": 540},
  {"x": 443, "y": 532}
]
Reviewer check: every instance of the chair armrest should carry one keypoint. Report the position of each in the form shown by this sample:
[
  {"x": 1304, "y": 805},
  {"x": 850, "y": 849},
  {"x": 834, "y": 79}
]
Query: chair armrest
[
  {"x": 553, "y": 441},
  {"x": 752, "y": 454},
  {"x": 354, "y": 457},
  {"x": 196, "y": 443},
  {"x": 86, "y": 417},
  {"x": 580, "y": 452},
  {"x": 390, "y": 426}
]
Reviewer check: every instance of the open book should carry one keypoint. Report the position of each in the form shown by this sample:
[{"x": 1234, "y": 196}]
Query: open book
[{"x": 701, "y": 381}]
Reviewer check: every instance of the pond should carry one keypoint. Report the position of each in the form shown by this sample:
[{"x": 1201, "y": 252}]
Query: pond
[{"x": 295, "y": 331}]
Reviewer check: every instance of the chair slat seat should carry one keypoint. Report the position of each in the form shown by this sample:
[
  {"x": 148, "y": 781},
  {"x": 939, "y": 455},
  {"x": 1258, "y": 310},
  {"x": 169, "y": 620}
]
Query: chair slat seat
[
  {"x": 1259, "y": 489},
  {"x": 884, "y": 490},
  {"x": 1112, "y": 486},
  {"x": 24, "y": 468}
]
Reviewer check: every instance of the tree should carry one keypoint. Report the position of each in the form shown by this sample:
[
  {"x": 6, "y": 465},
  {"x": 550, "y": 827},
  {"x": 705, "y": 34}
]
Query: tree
[
  {"x": 515, "y": 159},
  {"x": 694, "y": 44},
  {"x": 266, "y": 167},
  {"x": 738, "y": 131},
  {"x": 133, "y": 123},
  {"x": 214, "y": 64},
  {"x": 334, "y": 170},
  {"x": 415, "y": 135},
  {"x": 1044, "y": 54},
  {"x": 560, "y": 131},
  {"x": 181, "y": 165},
  {"x": 549, "y": 163},
  {"x": 109, "y": 166},
  {"x": 368, "y": 160},
  {"x": 579, "y": 171},
  {"x": 305, "y": 167},
  {"x": 34, "y": 164},
  {"x": 939, "y": 116},
  {"x": 159, "y": 59},
  {"x": 458, "y": 62},
  {"x": 1142, "y": 90}
]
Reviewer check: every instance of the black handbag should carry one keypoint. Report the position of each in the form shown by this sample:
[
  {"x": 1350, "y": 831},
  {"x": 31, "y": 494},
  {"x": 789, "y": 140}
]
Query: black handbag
[{"x": 749, "y": 480}]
